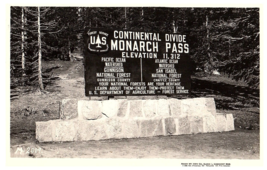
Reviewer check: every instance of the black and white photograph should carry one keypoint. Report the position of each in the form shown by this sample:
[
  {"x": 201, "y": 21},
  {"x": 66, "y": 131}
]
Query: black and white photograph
[{"x": 135, "y": 82}]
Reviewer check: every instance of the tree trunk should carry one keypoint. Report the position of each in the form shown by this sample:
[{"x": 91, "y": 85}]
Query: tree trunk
[
  {"x": 229, "y": 48},
  {"x": 208, "y": 43},
  {"x": 125, "y": 15},
  {"x": 142, "y": 18},
  {"x": 40, "y": 78},
  {"x": 141, "y": 64},
  {"x": 175, "y": 29},
  {"x": 69, "y": 50},
  {"x": 22, "y": 42}
]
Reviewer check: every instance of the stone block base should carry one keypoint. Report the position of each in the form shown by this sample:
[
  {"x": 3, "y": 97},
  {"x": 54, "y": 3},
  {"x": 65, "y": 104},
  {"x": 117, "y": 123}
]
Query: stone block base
[{"x": 116, "y": 119}]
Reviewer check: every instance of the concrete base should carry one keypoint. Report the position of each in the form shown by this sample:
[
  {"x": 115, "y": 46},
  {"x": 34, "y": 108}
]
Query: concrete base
[{"x": 96, "y": 120}]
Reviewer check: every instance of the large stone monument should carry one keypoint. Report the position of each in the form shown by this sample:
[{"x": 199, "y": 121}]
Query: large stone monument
[{"x": 143, "y": 64}]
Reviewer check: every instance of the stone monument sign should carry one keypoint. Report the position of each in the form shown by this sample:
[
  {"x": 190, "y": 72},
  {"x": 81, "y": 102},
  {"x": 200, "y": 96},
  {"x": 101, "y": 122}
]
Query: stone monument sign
[{"x": 125, "y": 63}]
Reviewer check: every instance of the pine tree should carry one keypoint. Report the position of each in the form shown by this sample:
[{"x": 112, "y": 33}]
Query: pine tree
[
  {"x": 38, "y": 27},
  {"x": 243, "y": 39},
  {"x": 18, "y": 46}
]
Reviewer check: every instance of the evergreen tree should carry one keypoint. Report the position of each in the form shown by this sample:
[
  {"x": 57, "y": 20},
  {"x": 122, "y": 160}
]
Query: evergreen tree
[{"x": 243, "y": 39}]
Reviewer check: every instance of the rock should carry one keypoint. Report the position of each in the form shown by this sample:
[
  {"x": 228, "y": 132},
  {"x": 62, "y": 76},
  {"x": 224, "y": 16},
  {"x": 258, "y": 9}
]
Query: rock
[
  {"x": 110, "y": 108},
  {"x": 230, "y": 122},
  {"x": 175, "y": 107},
  {"x": 44, "y": 131},
  {"x": 114, "y": 128},
  {"x": 150, "y": 108},
  {"x": 135, "y": 108},
  {"x": 209, "y": 124},
  {"x": 64, "y": 130},
  {"x": 68, "y": 109},
  {"x": 131, "y": 128},
  {"x": 85, "y": 128},
  {"x": 151, "y": 127},
  {"x": 210, "y": 104},
  {"x": 115, "y": 108},
  {"x": 92, "y": 129},
  {"x": 184, "y": 125},
  {"x": 163, "y": 108},
  {"x": 170, "y": 126},
  {"x": 90, "y": 110},
  {"x": 198, "y": 106},
  {"x": 122, "y": 118},
  {"x": 221, "y": 122},
  {"x": 196, "y": 124},
  {"x": 123, "y": 108},
  {"x": 185, "y": 107}
]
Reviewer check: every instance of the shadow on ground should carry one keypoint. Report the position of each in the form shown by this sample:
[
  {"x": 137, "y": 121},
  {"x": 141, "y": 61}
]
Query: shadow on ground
[{"x": 227, "y": 96}]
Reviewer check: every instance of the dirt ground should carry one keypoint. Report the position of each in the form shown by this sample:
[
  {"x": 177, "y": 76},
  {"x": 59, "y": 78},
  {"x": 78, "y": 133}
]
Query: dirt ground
[
  {"x": 239, "y": 144},
  {"x": 243, "y": 143}
]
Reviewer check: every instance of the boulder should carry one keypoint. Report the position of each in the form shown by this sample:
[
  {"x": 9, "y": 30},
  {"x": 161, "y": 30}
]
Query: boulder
[
  {"x": 170, "y": 126},
  {"x": 150, "y": 108},
  {"x": 209, "y": 124},
  {"x": 110, "y": 108},
  {"x": 114, "y": 128},
  {"x": 131, "y": 128},
  {"x": 151, "y": 127},
  {"x": 135, "y": 109},
  {"x": 221, "y": 122},
  {"x": 68, "y": 109},
  {"x": 230, "y": 122},
  {"x": 64, "y": 130},
  {"x": 184, "y": 125},
  {"x": 123, "y": 108},
  {"x": 91, "y": 130},
  {"x": 198, "y": 106},
  {"x": 163, "y": 108},
  {"x": 44, "y": 131},
  {"x": 89, "y": 110},
  {"x": 196, "y": 124},
  {"x": 210, "y": 104},
  {"x": 175, "y": 107}
]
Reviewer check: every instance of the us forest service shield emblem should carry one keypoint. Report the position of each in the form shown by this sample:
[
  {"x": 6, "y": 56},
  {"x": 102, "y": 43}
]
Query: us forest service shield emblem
[{"x": 98, "y": 41}]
